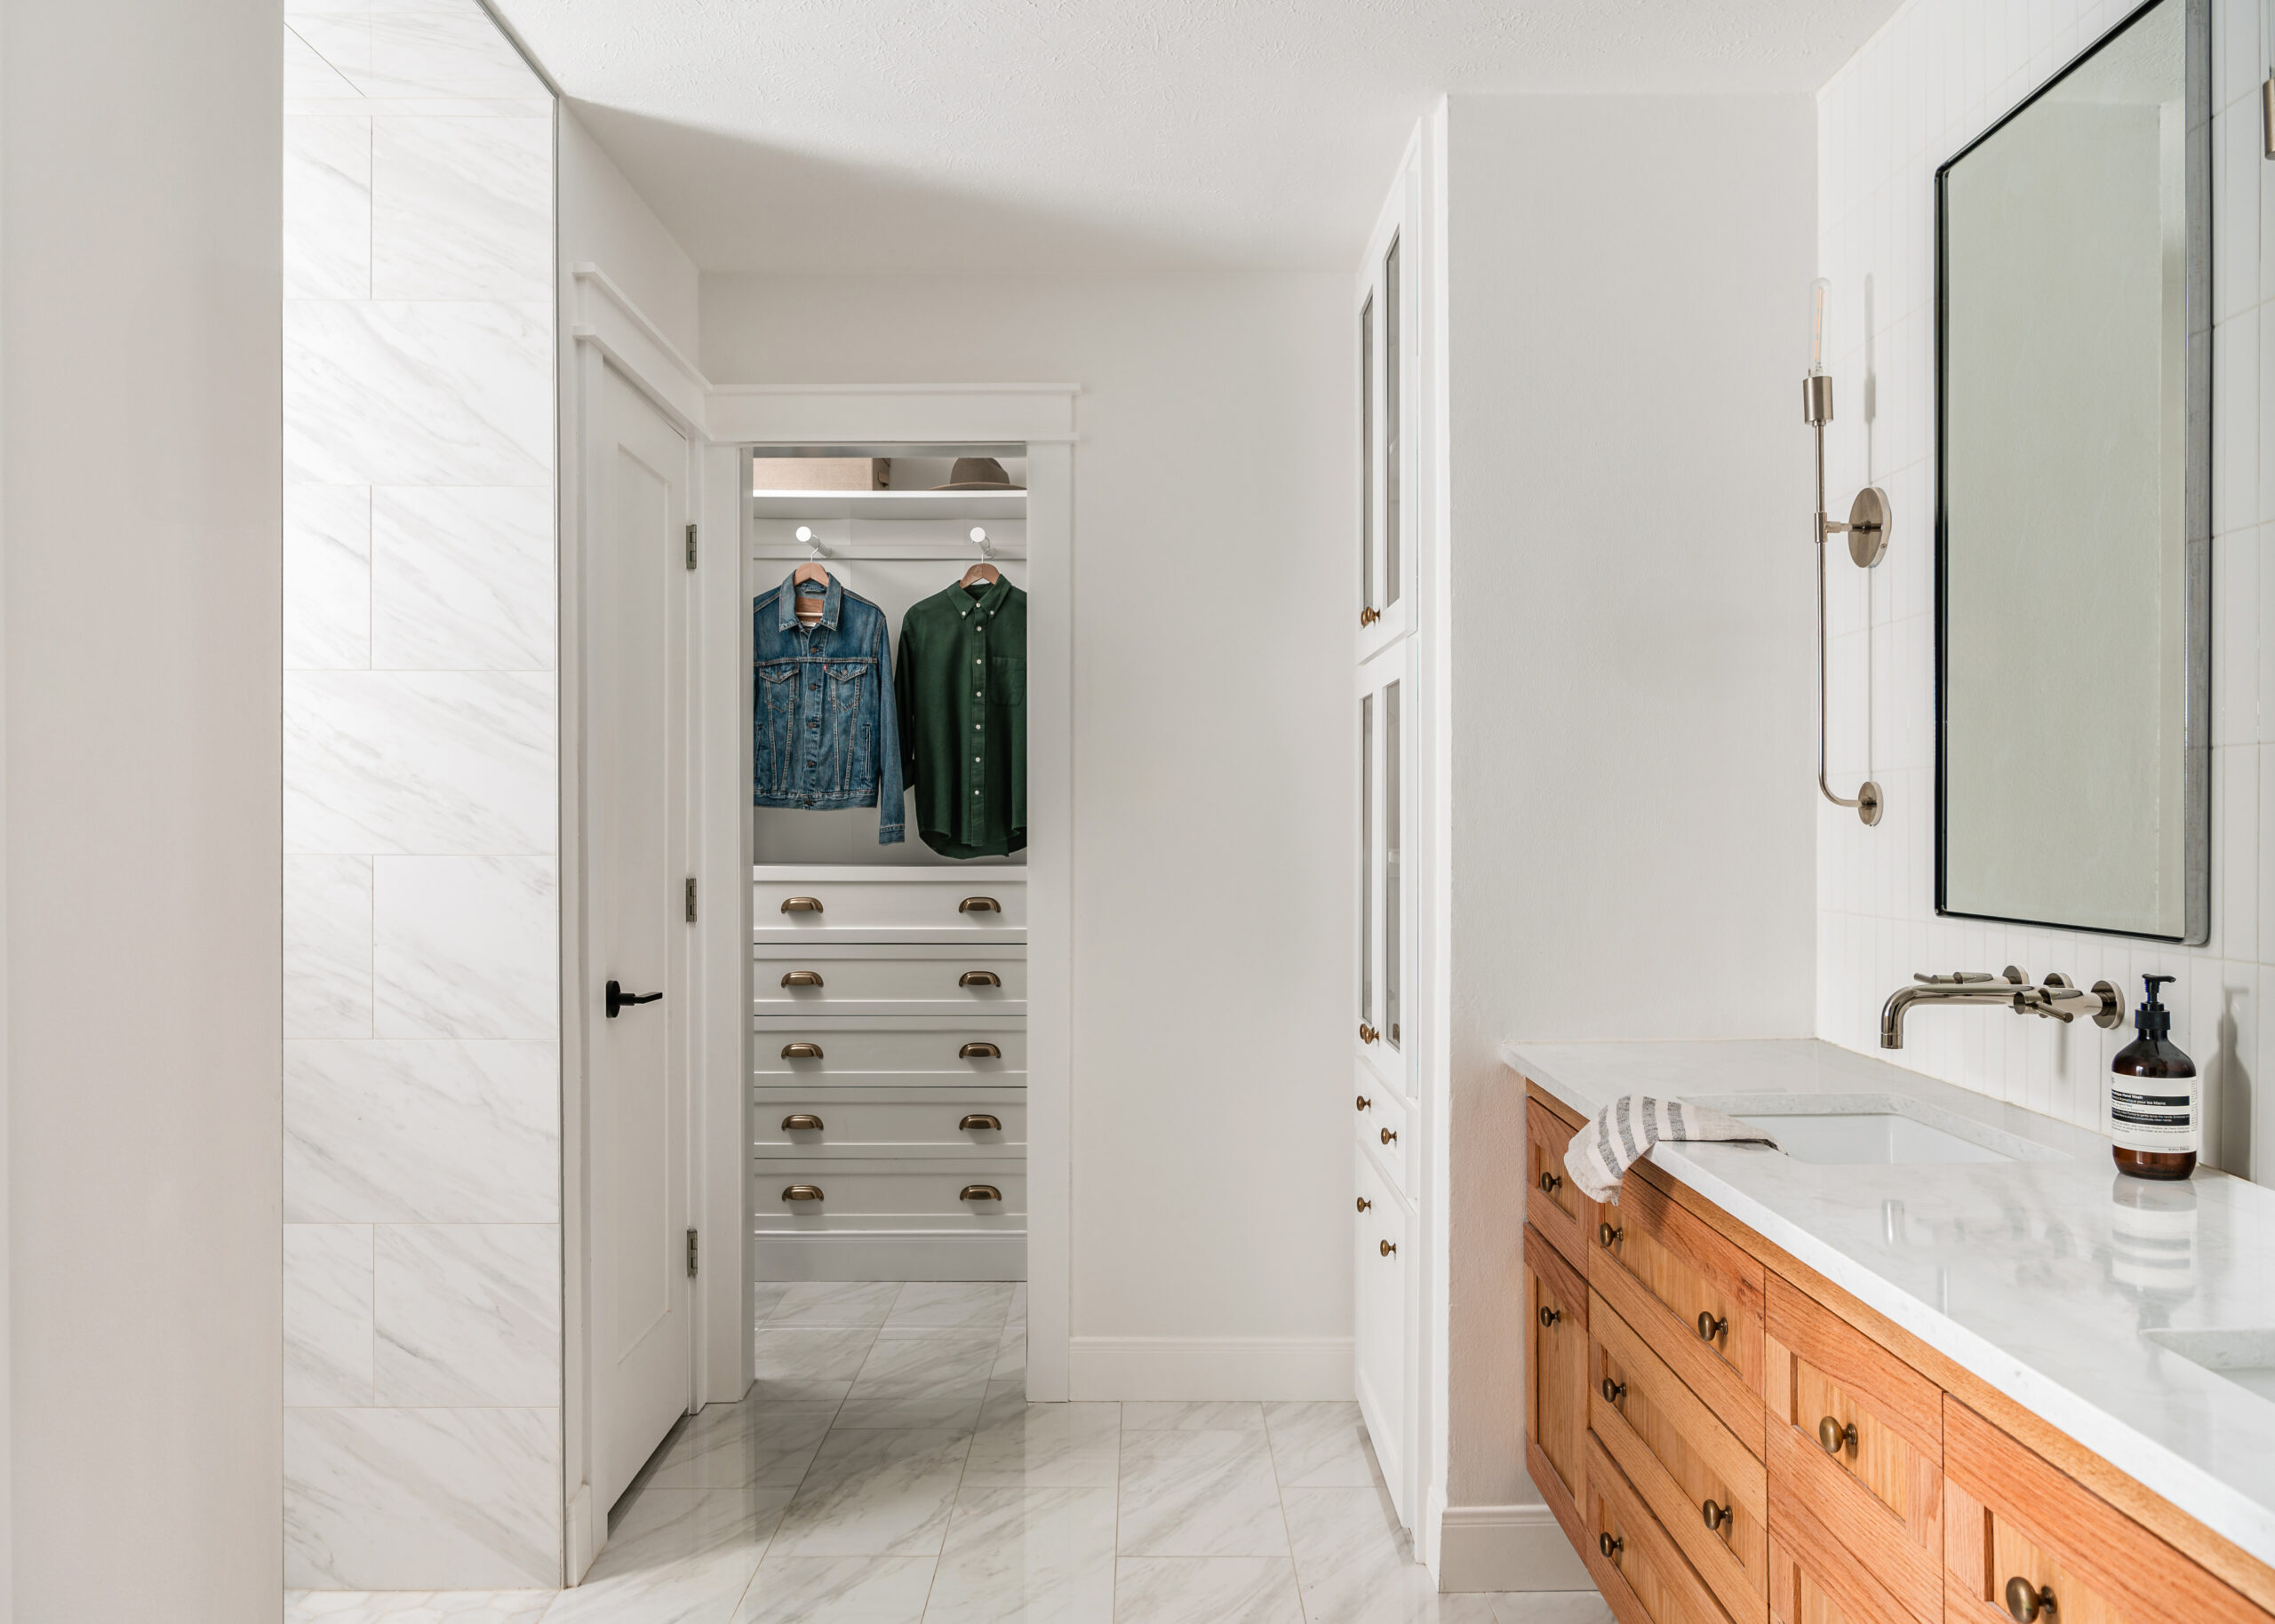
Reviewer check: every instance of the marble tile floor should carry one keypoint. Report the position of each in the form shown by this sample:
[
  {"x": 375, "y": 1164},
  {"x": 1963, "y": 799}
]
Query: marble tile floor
[{"x": 885, "y": 1468}]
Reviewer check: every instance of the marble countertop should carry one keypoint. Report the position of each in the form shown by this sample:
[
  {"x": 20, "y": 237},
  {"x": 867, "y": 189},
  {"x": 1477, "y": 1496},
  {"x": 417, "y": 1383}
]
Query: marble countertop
[{"x": 2035, "y": 1274}]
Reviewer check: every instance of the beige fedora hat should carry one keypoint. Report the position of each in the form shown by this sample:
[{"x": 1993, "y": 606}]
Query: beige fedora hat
[{"x": 979, "y": 474}]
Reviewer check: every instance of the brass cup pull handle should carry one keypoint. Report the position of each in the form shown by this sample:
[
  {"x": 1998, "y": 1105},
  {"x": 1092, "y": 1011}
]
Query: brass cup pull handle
[
  {"x": 1608, "y": 1235},
  {"x": 801, "y": 1051},
  {"x": 979, "y": 905},
  {"x": 801, "y": 1192},
  {"x": 1389, "y": 1249},
  {"x": 1612, "y": 1392},
  {"x": 1718, "y": 1517},
  {"x": 1389, "y": 1137},
  {"x": 1549, "y": 1317},
  {"x": 1364, "y": 1204},
  {"x": 979, "y": 1051},
  {"x": 1364, "y": 1102},
  {"x": 801, "y": 904},
  {"x": 979, "y": 1192},
  {"x": 979, "y": 978},
  {"x": 802, "y": 1122},
  {"x": 1610, "y": 1545},
  {"x": 802, "y": 978},
  {"x": 1712, "y": 1328},
  {"x": 1833, "y": 1437},
  {"x": 979, "y": 1122},
  {"x": 2026, "y": 1604},
  {"x": 1550, "y": 1183}
]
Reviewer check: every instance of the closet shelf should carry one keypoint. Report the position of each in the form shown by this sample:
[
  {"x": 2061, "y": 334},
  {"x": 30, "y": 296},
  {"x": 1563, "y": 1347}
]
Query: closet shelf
[{"x": 889, "y": 505}]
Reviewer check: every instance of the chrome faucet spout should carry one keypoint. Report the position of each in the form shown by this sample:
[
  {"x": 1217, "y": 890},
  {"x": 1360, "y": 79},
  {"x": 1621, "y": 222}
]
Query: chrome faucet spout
[{"x": 2057, "y": 1000}]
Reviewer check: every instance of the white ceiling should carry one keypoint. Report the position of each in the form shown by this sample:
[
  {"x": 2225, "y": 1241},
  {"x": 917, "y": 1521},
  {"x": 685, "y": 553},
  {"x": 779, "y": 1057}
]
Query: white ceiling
[{"x": 949, "y": 135}]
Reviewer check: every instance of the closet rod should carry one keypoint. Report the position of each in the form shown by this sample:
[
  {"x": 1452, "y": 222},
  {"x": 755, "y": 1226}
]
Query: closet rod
[{"x": 887, "y": 553}]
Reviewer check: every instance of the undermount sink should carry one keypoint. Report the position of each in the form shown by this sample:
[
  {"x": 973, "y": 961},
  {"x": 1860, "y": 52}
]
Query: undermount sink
[
  {"x": 1875, "y": 1129},
  {"x": 2245, "y": 1358}
]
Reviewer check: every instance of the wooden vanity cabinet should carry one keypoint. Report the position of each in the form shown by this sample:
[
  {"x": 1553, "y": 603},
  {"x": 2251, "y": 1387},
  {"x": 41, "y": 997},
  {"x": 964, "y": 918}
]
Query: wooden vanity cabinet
[
  {"x": 1556, "y": 1393},
  {"x": 1553, "y": 1204},
  {"x": 1642, "y": 1572}
]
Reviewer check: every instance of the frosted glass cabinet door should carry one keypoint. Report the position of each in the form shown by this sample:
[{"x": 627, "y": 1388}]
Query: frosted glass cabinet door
[
  {"x": 1383, "y": 712},
  {"x": 1384, "y": 341}
]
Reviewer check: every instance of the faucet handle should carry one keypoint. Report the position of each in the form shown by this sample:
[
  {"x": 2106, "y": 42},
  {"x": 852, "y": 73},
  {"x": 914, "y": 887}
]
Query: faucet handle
[{"x": 1957, "y": 978}]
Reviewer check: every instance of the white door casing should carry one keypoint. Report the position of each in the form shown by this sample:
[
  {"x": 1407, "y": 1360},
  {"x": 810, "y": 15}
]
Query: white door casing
[{"x": 635, "y": 708}]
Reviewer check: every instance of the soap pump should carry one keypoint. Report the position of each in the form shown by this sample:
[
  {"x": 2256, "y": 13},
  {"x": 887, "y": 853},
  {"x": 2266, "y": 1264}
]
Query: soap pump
[{"x": 2153, "y": 1097}]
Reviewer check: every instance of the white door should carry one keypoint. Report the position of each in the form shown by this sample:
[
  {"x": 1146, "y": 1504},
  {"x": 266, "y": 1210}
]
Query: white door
[{"x": 634, "y": 609}]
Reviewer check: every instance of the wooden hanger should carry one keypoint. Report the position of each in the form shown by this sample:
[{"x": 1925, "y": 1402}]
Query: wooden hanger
[
  {"x": 982, "y": 570},
  {"x": 812, "y": 570}
]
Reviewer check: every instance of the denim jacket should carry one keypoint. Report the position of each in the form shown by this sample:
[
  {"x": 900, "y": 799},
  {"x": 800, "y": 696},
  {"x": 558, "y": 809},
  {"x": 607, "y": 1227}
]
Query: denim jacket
[{"x": 823, "y": 729}]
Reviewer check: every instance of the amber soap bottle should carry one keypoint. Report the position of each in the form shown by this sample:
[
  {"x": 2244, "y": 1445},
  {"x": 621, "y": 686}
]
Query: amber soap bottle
[{"x": 2153, "y": 1097}]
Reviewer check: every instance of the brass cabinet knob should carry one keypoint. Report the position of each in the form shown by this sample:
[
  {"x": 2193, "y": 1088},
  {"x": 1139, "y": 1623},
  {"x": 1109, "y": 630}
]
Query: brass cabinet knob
[
  {"x": 1368, "y": 615},
  {"x": 802, "y": 978},
  {"x": 979, "y": 978},
  {"x": 1389, "y": 1137},
  {"x": 801, "y": 904},
  {"x": 802, "y": 1122},
  {"x": 2026, "y": 1602},
  {"x": 1364, "y": 1204},
  {"x": 1612, "y": 1392},
  {"x": 979, "y": 1192},
  {"x": 1832, "y": 1437},
  {"x": 801, "y": 1192},
  {"x": 1718, "y": 1517},
  {"x": 1712, "y": 1328},
  {"x": 1608, "y": 1235},
  {"x": 1389, "y": 1249},
  {"x": 801, "y": 1051},
  {"x": 979, "y": 1051},
  {"x": 1364, "y": 1102},
  {"x": 1367, "y": 1034},
  {"x": 979, "y": 905},
  {"x": 1549, "y": 1317},
  {"x": 979, "y": 1122},
  {"x": 1610, "y": 1545},
  {"x": 1550, "y": 1183}
]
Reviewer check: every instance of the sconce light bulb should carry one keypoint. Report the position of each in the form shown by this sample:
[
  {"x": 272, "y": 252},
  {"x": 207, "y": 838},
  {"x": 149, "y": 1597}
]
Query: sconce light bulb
[
  {"x": 805, "y": 532},
  {"x": 1818, "y": 290},
  {"x": 978, "y": 533}
]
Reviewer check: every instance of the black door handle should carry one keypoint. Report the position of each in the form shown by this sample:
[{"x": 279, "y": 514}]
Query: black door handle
[{"x": 617, "y": 998}]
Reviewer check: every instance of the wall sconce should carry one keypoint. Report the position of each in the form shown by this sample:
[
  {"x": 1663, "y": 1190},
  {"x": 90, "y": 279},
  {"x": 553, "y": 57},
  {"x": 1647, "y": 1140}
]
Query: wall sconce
[{"x": 1866, "y": 529}]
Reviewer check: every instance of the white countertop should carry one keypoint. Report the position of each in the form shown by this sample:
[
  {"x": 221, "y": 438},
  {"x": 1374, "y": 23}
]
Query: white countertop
[{"x": 2023, "y": 1272}]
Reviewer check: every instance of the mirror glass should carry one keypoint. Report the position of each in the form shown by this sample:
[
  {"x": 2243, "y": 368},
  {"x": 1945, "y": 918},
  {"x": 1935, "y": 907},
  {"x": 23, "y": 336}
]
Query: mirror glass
[{"x": 2073, "y": 507}]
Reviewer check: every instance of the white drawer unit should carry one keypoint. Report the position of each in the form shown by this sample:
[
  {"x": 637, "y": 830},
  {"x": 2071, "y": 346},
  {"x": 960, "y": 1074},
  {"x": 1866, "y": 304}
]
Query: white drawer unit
[
  {"x": 1382, "y": 1121},
  {"x": 880, "y": 905},
  {"x": 856, "y": 1123},
  {"x": 877, "y": 1195},
  {"x": 888, "y": 979},
  {"x": 887, "y": 1051}
]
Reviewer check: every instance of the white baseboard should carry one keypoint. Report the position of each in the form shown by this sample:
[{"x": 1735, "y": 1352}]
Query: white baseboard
[
  {"x": 1507, "y": 1547},
  {"x": 852, "y": 1256},
  {"x": 1194, "y": 1368}
]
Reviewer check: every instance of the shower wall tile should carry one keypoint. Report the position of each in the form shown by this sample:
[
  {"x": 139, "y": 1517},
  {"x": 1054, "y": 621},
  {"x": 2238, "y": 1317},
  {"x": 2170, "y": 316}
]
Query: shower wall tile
[
  {"x": 421, "y": 761},
  {"x": 327, "y": 208},
  {"x": 318, "y": 48},
  {"x": 460, "y": 209},
  {"x": 327, "y": 578},
  {"x": 466, "y": 947},
  {"x": 427, "y": 52},
  {"x": 417, "y": 392},
  {"x": 467, "y": 1315},
  {"x": 462, "y": 577},
  {"x": 422, "y": 1132},
  {"x": 327, "y": 1314},
  {"x": 328, "y": 947},
  {"x": 464, "y": 1499}
]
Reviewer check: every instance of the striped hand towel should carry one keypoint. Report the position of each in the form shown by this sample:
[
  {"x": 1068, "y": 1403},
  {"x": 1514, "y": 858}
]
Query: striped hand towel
[{"x": 1624, "y": 1131}]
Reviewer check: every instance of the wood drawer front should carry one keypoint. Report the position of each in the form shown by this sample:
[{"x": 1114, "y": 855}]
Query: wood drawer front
[
  {"x": 913, "y": 979},
  {"x": 923, "y": 1195},
  {"x": 1661, "y": 1268},
  {"x": 857, "y": 905},
  {"x": 2013, "y": 1515},
  {"x": 887, "y": 1052},
  {"x": 1645, "y": 1578},
  {"x": 1882, "y": 1495},
  {"x": 1556, "y": 1375},
  {"x": 869, "y": 1122},
  {"x": 1681, "y": 1460},
  {"x": 1812, "y": 1580},
  {"x": 1552, "y": 1202}
]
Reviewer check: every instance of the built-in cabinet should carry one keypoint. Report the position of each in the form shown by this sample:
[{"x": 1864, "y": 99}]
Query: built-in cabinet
[{"x": 1726, "y": 1438}]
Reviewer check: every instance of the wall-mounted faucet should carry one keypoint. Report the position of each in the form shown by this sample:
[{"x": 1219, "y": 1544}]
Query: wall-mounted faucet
[{"x": 2058, "y": 999}]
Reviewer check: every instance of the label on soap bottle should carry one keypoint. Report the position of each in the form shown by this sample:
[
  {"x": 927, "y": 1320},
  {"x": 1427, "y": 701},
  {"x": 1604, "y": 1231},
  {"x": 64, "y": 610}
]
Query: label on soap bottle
[{"x": 2153, "y": 1113}]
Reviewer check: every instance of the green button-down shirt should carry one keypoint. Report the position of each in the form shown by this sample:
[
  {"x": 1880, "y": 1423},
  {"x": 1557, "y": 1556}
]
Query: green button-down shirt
[{"x": 961, "y": 679}]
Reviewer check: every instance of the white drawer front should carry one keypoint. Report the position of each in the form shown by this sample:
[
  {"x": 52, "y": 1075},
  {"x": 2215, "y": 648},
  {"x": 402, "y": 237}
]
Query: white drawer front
[
  {"x": 1383, "y": 1130},
  {"x": 887, "y": 1051},
  {"x": 887, "y": 1196},
  {"x": 838, "y": 978},
  {"x": 870, "y": 1122},
  {"x": 867, "y": 906}
]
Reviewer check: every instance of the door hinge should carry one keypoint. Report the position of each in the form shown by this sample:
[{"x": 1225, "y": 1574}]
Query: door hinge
[
  {"x": 690, "y": 547},
  {"x": 691, "y": 899},
  {"x": 690, "y": 1255}
]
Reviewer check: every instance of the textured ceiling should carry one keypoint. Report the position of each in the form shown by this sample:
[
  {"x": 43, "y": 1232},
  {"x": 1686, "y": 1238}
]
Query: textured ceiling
[{"x": 944, "y": 135}]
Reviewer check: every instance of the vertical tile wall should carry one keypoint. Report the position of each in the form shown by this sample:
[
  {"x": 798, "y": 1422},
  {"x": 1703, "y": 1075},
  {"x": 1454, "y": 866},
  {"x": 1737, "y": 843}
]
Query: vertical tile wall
[
  {"x": 422, "y": 1207},
  {"x": 1931, "y": 80}
]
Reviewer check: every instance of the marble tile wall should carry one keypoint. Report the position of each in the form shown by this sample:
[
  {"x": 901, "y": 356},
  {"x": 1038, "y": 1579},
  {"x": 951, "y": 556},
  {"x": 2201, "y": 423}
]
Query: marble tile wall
[
  {"x": 1932, "y": 79},
  {"x": 422, "y": 1200}
]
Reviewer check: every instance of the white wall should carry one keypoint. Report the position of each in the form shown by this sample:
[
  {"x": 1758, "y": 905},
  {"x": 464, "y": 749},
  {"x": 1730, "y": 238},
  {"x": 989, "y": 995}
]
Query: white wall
[
  {"x": 1211, "y": 657},
  {"x": 1933, "y": 78},
  {"x": 140, "y": 330},
  {"x": 604, "y": 222},
  {"x": 1632, "y": 624}
]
